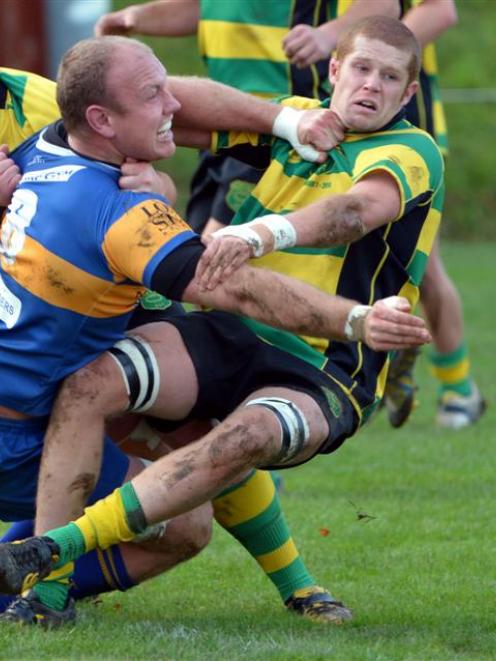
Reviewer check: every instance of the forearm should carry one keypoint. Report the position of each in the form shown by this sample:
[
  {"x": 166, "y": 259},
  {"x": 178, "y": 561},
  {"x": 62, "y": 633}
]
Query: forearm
[
  {"x": 430, "y": 19},
  {"x": 207, "y": 105},
  {"x": 278, "y": 301},
  {"x": 332, "y": 221},
  {"x": 166, "y": 18}
]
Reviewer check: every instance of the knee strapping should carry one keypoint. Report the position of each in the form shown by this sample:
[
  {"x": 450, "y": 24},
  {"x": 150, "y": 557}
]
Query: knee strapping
[
  {"x": 140, "y": 372},
  {"x": 294, "y": 426}
]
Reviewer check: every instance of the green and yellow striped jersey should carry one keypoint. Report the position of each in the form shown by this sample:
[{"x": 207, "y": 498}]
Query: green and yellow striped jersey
[
  {"x": 27, "y": 104},
  {"x": 241, "y": 43},
  {"x": 388, "y": 261}
]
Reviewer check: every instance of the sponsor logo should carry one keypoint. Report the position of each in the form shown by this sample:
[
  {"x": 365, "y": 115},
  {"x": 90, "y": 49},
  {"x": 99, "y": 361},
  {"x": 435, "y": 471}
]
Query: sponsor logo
[
  {"x": 334, "y": 404},
  {"x": 10, "y": 306},
  {"x": 151, "y": 300},
  {"x": 59, "y": 173}
]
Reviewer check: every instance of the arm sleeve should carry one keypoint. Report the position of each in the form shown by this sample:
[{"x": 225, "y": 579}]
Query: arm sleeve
[
  {"x": 174, "y": 273},
  {"x": 414, "y": 171},
  {"x": 142, "y": 237}
]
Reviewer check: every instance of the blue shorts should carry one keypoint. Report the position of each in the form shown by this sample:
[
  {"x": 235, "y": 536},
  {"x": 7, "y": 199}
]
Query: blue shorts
[{"x": 21, "y": 444}]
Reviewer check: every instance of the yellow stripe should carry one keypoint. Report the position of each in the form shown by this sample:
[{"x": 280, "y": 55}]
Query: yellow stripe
[
  {"x": 449, "y": 375},
  {"x": 409, "y": 161},
  {"x": 60, "y": 283},
  {"x": 63, "y": 572},
  {"x": 106, "y": 574},
  {"x": 246, "y": 502},
  {"x": 278, "y": 559},
  {"x": 429, "y": 231},
  {"x": 278, "y": 189},
  {"x": 410, "y": 292},
  {"x": 381, "y": 379},
  {"x": 235, "y": 41},
  {"x": 105, "y": 523}
]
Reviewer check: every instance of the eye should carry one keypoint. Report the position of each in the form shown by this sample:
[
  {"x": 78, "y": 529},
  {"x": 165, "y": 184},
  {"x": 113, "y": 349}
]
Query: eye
[
  {"x": 390, "y": 76},
  {"x": 361, "y": 67}
]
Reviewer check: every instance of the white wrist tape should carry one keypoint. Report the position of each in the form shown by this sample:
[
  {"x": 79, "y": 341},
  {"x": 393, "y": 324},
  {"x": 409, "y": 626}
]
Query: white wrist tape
[
  {"x": 281, "y": 229},
  {"x": 245, "y": 233},
  {"x": 353, "y": 328},
  {"x": 286, "y": 126}
]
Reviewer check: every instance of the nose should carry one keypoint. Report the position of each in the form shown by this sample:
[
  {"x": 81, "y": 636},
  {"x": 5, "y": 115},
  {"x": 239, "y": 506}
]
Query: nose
[
  {"x": 372, "y": 81},
  {"x": 171, "y": 104}
]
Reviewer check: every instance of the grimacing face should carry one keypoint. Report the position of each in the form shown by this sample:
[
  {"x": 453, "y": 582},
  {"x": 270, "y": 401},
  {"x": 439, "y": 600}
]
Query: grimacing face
[
  {"x": 370, "y": 84},
  {"x": 142, "y": 126}
]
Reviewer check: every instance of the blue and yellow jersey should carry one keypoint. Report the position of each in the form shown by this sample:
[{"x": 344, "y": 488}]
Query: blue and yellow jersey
[
  {"x": 76, "y": 254},
  {"x": 27, "y": 104},
  {"x": 241, "y": 43},
  {"x": 388, "y": 261}
]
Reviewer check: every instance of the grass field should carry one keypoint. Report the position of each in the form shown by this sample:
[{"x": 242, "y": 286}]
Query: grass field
[{"x": 420, "y": 575}]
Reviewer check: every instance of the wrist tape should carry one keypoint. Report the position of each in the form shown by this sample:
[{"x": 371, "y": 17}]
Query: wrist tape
[
  {"x": 286, "y": 126},
  {"x": 280, "y": 227},
  {"x": 353, "y": 328}
]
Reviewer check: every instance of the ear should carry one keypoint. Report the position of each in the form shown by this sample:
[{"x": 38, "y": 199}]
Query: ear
[
  {"x": 411, "y": 89},
  {"x": 334, "y": 68},
  {"x": 99, "y": 120}
]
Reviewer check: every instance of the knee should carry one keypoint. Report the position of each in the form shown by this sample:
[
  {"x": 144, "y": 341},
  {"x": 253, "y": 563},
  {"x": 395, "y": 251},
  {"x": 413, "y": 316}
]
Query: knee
[{"x": 190, "y": 533}]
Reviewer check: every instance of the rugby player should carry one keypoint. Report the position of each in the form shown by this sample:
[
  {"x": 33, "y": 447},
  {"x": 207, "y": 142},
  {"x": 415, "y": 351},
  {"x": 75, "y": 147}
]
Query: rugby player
[{"x": 381, "y": 189}]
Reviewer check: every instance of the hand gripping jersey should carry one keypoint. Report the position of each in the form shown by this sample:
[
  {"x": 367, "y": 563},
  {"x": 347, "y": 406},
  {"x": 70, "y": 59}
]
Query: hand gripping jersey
[
  {"x": 76, "y": 254},
  {"x": 388, "y": 261}
]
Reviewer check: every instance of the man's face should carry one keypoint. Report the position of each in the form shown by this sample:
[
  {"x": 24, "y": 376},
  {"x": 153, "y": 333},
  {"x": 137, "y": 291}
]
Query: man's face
[
  {"x": 370, "y": 84},
  {"x": 141, "y": 125}
]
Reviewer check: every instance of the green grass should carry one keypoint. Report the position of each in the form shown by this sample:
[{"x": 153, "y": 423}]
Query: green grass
[{"x": 419, "y": 576}]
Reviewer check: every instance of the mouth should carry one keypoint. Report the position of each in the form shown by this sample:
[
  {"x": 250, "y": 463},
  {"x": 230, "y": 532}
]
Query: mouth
[
  {"x": 164, "y": 132},
  {"x": 367, "y": 105}
]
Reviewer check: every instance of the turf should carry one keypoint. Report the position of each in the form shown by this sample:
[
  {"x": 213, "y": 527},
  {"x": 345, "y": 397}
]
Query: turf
[{"x": 399, "y": 524}]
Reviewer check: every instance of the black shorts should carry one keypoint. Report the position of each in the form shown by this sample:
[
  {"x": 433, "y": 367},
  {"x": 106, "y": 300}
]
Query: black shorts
[
  {"x": 219, "y": 187},
  {"x": 231, "y": 363}
]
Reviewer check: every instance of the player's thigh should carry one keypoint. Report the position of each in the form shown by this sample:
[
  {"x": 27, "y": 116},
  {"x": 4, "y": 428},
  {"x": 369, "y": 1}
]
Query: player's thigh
[{"x": 177, "y": 381}]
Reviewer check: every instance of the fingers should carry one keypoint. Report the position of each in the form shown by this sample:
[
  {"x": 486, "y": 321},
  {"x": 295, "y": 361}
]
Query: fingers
[
  {"x": 222, "y": 257},
  {"x": 10, "y": 176},
  {"x": 119, "y": 23}
]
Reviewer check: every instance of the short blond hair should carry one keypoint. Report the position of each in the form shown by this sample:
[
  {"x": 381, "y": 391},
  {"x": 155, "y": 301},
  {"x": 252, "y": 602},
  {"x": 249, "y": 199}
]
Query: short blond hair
[{"x": 391, "y": 31}]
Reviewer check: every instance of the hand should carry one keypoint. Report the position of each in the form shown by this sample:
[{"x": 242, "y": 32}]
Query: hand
[
  {"x": 223, "y": 256},
  {"x": 389, "y": 326},
  {"x": 10, "y": 176},
  {"x": 141, "y": 177},
  {"x": 118, "y": 22},
  {"x": 320, "y": 128},
  {"x": 305, "y": 45}
]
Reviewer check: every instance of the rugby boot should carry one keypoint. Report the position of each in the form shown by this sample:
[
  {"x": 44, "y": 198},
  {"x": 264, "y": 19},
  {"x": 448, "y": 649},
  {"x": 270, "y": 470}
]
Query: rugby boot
[
  {"x": 28, "y": 609},
  {"x": 23, "y": 563},
  {"x": 317, "y": 604},
  {"x": 457, "y": 411},
  {"x": 399, "y": 395}
]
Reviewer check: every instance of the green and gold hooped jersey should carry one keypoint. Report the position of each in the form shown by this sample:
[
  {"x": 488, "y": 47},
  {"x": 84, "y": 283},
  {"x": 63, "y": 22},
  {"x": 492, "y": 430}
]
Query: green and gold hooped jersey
[
  {"x": 27, "y": 104},
  {"x": 388, "y": 261},
  {"x": 425, "y": 109},
  {"x": 241, "y": 43}
]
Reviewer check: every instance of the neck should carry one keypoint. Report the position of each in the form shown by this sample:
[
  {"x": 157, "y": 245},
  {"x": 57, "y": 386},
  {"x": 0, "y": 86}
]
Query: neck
[{"x": 96, "y": 148}]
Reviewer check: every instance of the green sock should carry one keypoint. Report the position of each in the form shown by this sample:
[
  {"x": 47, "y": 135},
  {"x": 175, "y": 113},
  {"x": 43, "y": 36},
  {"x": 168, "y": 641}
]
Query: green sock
[
  {"x": 251, "y": 512},
  {"x": 452, "y": 370}
]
